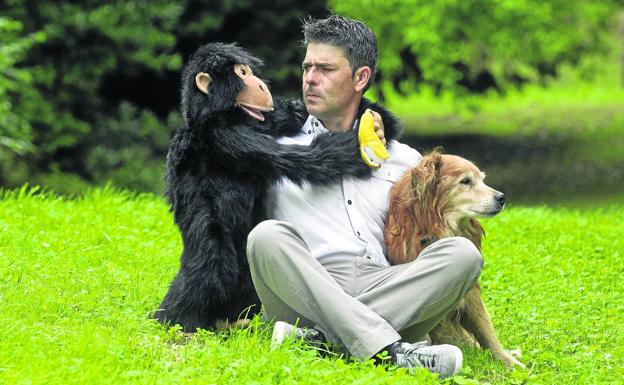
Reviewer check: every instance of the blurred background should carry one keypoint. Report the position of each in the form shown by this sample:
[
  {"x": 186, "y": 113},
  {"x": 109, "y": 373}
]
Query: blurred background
[{"x": 532, "y": 91}]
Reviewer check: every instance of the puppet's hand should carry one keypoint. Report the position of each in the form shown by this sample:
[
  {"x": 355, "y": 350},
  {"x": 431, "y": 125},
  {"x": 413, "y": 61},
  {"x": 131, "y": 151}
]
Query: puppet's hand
[{"x": 372, "y": 147}]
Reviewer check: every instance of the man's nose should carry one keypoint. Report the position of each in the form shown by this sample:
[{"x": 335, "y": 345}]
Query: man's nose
[{"x": 310, "y": 77}]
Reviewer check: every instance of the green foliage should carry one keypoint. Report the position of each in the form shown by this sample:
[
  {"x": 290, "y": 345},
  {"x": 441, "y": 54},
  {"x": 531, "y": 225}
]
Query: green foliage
[
  {"x": 16, "y": 84},
  {"x": 84, "y": 44},
  {"x": 79, "y": 278},
  {"x": 511, "y": 40},
  {"x": 127, "y": 148},
  {"x": 90, "y": 90},
  {"x": 99, "y": 97},
  {"x": 95, "y": 41}
]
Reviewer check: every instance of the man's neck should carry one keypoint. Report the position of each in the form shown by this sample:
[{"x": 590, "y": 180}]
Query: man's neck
[{"x": 343, "y": 122}]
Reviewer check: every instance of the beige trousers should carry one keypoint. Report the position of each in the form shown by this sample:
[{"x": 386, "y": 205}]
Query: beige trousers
[{"x": 352, "y": 300}]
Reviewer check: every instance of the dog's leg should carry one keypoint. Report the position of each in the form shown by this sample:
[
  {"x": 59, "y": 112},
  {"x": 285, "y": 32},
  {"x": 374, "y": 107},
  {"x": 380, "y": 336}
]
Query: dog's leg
[
  {"x": 450, "y": 331},
  {"x": 476, "y": 319}
]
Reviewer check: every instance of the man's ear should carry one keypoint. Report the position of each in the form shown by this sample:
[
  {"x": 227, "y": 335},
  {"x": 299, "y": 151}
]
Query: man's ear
[
  {"x": 203, "y": 80},
  {"x": 362, "y": 76}
]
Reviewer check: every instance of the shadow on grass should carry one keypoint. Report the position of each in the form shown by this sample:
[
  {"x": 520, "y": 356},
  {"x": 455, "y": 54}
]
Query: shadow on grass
[{"x": 540, "y": 168}]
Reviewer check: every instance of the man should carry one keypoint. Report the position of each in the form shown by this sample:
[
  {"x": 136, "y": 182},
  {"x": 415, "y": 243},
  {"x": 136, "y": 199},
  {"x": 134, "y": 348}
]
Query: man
[{"x": 320, "y": 263}]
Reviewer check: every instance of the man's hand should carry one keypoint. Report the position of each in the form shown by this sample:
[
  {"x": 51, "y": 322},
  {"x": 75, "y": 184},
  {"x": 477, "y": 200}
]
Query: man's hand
[{"x": 379, "y": 126}]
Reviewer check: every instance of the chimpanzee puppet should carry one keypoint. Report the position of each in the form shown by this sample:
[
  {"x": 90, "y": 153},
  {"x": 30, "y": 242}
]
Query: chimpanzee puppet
[{"x": 219, "y": 166}]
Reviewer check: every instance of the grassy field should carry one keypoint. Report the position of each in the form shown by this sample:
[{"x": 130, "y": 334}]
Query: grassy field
[
  {"x": 570, "y": 104},
  {"x": 79, "y": 278}
]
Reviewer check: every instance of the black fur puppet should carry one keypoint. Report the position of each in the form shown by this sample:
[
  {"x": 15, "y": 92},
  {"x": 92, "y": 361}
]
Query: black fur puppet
[{"x": 219, "y": 166}]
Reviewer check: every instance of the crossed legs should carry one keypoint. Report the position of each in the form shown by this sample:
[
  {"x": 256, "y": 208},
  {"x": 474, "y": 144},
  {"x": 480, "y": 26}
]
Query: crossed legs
[{"x": 352, "y": 300}]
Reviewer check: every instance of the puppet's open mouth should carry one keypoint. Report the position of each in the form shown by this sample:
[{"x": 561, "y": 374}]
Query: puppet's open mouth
[{"x": 254, "y": 111}]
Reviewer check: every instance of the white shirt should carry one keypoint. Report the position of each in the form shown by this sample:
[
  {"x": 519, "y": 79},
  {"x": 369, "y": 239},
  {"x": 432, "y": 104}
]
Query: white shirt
[{"x": 343, "y": 219}]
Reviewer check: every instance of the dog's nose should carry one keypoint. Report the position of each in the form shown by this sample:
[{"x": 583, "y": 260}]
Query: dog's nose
[{"x": 500, "y": 198}]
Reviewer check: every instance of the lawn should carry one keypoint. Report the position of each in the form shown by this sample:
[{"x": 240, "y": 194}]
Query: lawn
[{"x": 79, "y": 278}]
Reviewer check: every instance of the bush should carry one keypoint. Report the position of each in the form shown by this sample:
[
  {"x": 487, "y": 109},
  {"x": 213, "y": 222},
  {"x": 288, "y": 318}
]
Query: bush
[
  {"x": 477, "y": 45},
  {"x": 99, "y": 98},
  {"x": 16, "y": 89}
]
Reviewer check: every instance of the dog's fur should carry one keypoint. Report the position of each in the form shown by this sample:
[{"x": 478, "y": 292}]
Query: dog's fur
[{"x": 442, "y": 197}]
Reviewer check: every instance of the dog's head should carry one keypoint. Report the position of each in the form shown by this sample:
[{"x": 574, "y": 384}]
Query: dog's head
[
  {"x": 441, "y": 197},
  {"x": 454, "y": 187}
]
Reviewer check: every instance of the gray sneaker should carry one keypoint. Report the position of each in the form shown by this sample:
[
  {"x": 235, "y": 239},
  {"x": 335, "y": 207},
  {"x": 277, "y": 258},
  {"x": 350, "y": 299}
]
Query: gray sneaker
[
  {"x": 445, "y": 360},
  {"x": 283, "y": 330}
]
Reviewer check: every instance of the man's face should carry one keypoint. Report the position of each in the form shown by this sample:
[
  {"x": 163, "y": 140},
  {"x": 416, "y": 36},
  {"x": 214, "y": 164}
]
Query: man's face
[{"x": 328, "y": 84}]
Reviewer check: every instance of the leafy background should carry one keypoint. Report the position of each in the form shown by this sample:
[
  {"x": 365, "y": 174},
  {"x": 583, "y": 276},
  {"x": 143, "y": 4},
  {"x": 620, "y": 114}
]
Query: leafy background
[{"x": 89, "y": 91}]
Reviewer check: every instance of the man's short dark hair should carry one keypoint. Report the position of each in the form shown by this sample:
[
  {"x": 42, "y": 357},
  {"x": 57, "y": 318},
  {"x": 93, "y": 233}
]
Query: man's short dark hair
[{"x": 356, "y": 40}]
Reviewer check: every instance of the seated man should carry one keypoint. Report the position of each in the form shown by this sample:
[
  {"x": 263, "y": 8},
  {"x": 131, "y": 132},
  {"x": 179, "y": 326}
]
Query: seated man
[{"x": 320, "y": 262}]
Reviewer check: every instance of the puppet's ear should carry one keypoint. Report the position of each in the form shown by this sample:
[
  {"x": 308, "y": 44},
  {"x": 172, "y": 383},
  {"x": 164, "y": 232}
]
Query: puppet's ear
[{"x": 203, "y": 80}]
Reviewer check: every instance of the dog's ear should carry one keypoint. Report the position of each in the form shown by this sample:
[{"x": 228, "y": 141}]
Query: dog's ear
[{"x": 426, "y": 175}]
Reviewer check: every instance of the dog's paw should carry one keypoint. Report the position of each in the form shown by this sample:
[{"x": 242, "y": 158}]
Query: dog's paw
[
  {"x": 511, "y": 358},
  {"x": 515, "y": 353}
]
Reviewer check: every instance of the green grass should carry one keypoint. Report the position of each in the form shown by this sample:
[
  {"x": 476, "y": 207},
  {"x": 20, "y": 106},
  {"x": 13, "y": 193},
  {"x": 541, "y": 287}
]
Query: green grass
[
  {"x": 79, "y": 278},
  {"x": 570, "y": 104}
]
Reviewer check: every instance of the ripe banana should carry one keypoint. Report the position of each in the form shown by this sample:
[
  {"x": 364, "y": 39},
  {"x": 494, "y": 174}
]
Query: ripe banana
[{"x": 372, "y": 149}]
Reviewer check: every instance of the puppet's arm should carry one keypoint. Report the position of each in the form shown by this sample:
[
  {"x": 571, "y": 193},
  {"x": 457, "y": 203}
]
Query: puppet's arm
[
  {"x": 325, "y": 160},
  {"x": 286, "y": 119},
  {"x": 289, "y": 115}
]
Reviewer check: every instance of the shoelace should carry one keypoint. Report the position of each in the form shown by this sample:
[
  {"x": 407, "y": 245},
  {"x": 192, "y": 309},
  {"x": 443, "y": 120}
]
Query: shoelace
[
  {"x": 414, "y": 359},
  {"x": 309, "y": 335}
]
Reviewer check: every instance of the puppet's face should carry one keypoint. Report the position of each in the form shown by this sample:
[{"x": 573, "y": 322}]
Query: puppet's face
[
  {"x": 329, "y": 87},
  {"x": 255, "y": 97}
]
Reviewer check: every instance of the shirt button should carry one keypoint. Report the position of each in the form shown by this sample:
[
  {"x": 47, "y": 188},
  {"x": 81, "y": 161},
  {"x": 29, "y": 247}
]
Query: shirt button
[
  {"x": 358, "y": 233},
  {"x": 368, "y": 257},
  {"x": 315, "y": 124},
  {"x": 309, "y": 131},
  {"x": 349, "y": 201}
]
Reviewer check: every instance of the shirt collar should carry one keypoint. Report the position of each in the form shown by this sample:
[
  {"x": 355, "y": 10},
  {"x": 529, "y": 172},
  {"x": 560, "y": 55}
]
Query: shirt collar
[{"x": 314, "y": 126}]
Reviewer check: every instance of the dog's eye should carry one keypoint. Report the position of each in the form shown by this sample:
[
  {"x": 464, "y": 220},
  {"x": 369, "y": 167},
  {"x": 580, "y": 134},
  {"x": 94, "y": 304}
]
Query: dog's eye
[{"x": 466, "y": 181}]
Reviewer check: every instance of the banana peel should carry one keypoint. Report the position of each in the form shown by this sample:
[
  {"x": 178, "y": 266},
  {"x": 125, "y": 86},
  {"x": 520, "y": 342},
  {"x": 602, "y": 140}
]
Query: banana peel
[{"x": 372, "y": 149}]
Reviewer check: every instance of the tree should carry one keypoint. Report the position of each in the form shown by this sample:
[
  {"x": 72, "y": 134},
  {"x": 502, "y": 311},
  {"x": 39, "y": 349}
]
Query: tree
[
  {"x": 472, "y": 45},
  {"x": 16, "y": 95},
  {"x": 104, "y": 91}
]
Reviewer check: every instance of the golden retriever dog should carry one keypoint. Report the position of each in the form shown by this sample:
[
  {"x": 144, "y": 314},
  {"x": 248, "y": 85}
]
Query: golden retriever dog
[{"x": 442, "y": 197}]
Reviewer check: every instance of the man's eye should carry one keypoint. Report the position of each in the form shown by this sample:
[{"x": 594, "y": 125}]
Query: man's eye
[{"x": 466, "y": 181}]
